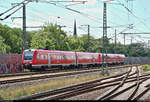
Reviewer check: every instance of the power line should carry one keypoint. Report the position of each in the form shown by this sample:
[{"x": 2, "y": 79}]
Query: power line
[
  {"x": 13, "y": 11},
  {"x": 10, "y": 14},
  {"x": 133, "y": 14},
  {"x": 12, "y": 8},
  {"x": 79, "y": 12},
  {"x": 137, "y": 33}
]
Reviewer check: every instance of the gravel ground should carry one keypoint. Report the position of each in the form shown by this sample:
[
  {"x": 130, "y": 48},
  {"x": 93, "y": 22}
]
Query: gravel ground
[
  {"x": 20, "y": 84},
  {"x": 87, "y": 96},
  {"x": 147, "y": 96},
  {"x": 90, "y": 95},
  {"x": 93, "y": 95}
]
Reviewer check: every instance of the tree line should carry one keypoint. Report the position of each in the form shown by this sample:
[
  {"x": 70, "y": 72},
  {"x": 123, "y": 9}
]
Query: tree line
[{"x": 50, "y": 37}]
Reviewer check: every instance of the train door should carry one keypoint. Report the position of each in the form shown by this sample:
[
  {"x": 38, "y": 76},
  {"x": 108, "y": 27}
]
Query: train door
[
  {"x": 100, "y": 58},
  {"x": 76, "y": 59},
  {"x": 49, "y": 60}
]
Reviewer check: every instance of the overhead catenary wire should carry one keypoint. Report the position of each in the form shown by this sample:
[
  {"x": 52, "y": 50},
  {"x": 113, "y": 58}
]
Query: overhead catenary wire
[
  {"x": 12, "y": 8},
  {"x": 86, "y": 15},
  {"x": 10, "y": 14},
  {"x": 132, "y": 14},
  {"x": 13, "y": 12},
  {"x": 79, "y": 12}
]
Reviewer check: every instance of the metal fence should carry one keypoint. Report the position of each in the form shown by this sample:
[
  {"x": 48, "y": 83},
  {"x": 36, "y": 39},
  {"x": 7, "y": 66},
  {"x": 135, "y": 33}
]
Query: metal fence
[
  {"x": 10, "y": 63},
  {"x": 137, "y": 60}
]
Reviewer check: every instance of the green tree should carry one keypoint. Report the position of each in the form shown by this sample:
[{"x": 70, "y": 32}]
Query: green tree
[
  {"x": 12, "y": 37},
  {"x": 3, "y": 46},
  {"x": 50, "y": 38},
  {"x": 94, "y": 44},
  {"x": 75, "y": 43}
]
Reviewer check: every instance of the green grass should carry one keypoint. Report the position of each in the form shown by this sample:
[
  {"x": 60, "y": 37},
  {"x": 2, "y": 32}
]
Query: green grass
[
  {"x": 146, "y": 67},
  {"x": 10, "y": 93}
]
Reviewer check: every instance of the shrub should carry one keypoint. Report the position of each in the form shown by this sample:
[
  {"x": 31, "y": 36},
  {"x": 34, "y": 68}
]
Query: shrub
[{"x": 146, "y": 67}]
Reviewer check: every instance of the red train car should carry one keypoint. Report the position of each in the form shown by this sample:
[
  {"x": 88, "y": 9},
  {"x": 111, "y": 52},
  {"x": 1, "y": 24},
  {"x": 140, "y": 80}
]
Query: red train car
[
  {"x": 34, "y": 59},
  {"x": 41, "y": 59},
  {"x": 90, "y": 59}
]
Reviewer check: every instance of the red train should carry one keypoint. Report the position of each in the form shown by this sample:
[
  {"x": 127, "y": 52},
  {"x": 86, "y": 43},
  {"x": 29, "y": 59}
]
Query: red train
[{"x": 41, "y": 59}]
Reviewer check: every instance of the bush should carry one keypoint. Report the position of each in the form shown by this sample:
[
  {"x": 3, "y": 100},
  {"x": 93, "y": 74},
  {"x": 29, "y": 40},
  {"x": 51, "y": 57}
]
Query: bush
[{"x": 146, "y": 67}]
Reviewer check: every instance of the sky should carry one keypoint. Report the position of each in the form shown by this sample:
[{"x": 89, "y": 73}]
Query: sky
[{"x": 120, "y": 14}]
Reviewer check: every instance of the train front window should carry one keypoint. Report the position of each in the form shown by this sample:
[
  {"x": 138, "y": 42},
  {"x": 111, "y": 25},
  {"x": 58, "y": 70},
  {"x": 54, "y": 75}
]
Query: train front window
[{"x": 28, "y": 55}]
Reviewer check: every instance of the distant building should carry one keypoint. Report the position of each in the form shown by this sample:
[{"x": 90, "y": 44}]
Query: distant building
[{"x": 75, "y": 28}]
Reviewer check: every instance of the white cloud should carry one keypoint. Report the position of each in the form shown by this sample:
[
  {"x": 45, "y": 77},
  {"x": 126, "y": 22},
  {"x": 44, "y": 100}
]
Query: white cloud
[
  {"x": 93, "y": 17},
  {"x": 89, "y": 2},
  {"x": 18, "y": 23},
  {"x": 86, "y": 11},
  {"x": 44, "y": 15},
  {"x": 95, "y": 10},
  {"x": 107, "y": 0},
  {"x": 35, "y": 23}
]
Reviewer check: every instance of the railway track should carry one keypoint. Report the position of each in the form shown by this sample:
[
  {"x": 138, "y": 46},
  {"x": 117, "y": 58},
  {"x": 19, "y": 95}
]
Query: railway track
[
  {"x": 51, "y": 71},
  {"x": 111, "y": 94},
  {"x": 28, "y": 73},
  {"x": 2, "y": 82},
  {"x": 73, "y": 90},
  {"x": 116, "y": 81}
]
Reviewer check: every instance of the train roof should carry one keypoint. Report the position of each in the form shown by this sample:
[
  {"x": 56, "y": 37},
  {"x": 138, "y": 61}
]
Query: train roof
[
  {"x": 41, "y": 50},
  {"x": 86, "y": 53},
  {"x": 108, "y": 54}
]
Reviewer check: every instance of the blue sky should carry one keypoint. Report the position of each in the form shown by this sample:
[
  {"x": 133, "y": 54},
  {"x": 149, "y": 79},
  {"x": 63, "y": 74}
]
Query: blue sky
[{"x": 92, "y": 13}]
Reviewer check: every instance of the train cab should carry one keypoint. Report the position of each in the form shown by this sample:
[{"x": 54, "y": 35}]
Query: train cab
[{"x": 27, "y": 57}]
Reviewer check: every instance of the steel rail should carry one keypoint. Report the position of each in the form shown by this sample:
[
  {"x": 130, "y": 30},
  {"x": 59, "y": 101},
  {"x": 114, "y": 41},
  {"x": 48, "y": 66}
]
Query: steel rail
[
  {"x": 115, "y": 88},
  {"x": 57, "y": 70},
  {"x": 143, "y": 92},
  {"x": 137, "y": 86},
  {"x": 75, "y": 88},
  {"x": 56, "y": 91},
  {"x": 83, "y": 90},
  {"x": 46, "y": 76},
  {"x": 126, "y": 89},
  {"x": 143, "y": 78},
  {"x": 43, "y": 77}
]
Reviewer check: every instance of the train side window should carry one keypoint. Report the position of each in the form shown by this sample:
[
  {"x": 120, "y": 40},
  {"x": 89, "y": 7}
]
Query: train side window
[
  {"x": 67, "y": 57},
  {"x": 57, "y": 57},
  {"x": 63, "y": 57},
  {"x": 42, "y": 57},
  {"x": 72, "y": 58},
  {"x": 37, "y": 57},
  {"x": 46, "y": 57},
  {"x": 54, "y": 57}
]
